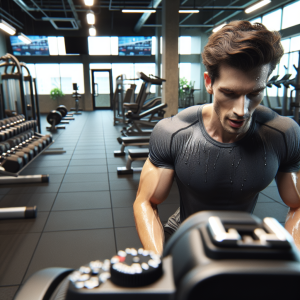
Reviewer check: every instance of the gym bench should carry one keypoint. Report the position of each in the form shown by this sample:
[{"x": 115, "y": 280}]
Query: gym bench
[
  {"x": 131, "y": 141},
  {"x": 133, "y": 155}
]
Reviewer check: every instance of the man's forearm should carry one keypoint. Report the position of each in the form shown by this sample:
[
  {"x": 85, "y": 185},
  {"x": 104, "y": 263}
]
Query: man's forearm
[
  {"x": 292, "y": 225},
  {"x": 149, "y": 227}
]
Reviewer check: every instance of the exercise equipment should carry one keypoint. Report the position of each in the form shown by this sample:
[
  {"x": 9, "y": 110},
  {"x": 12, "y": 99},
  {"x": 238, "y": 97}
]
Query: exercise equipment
[
  {"x": 54, "y": 118},
  {"x": 144, "y": 113},
  {"x": 64, "y": 112},
  {"x": 213, "y": 255},
  {"x": 120, "y": 97},
  {"x": 133, "y": 155},
  {"x": 18, "y": 90},
  {"x": 131, "y": 141},
  {"x": 76, "y": 95}
]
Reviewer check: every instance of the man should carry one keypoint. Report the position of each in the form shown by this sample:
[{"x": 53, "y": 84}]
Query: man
[{"x": 223, "y": 154}]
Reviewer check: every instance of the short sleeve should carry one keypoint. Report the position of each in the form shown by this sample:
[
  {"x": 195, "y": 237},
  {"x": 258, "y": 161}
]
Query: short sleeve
[
  {"x": 291, "y": 163},
  {"x": 160, "y": 145}
]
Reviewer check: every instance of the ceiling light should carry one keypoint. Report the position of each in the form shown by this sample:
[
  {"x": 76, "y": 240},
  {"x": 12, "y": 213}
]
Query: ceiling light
[
  {"x": 90, "y": 18},
  {"x": 256, "y": 6},
  {"x": 89, "y": 2},
  {"x": 190, "y": 11},
  {"x": 7, "y": 27},
  {"x": 24, "y": 38},
  {"x": 138, "y": 10},
  {"x": 92, "y": 31},
  {"x": 219, "y": 27}
]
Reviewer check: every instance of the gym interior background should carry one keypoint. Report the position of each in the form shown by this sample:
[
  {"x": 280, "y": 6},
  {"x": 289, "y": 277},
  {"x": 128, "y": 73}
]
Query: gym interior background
[{"x": 85, "y": 212}]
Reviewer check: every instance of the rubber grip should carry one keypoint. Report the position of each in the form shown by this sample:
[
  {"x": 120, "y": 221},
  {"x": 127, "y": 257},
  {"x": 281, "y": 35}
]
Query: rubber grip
[
  {"x": 45, "y": 178},
  {"x": 30, "y": 212}
]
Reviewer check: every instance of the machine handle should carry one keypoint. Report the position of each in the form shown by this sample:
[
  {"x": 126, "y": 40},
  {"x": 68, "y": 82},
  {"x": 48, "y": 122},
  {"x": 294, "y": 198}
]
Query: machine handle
[{"x": 96, "y": 91}]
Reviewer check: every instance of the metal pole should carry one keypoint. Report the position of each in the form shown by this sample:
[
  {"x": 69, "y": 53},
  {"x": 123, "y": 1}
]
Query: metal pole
[{"x": 37, "y": 106}]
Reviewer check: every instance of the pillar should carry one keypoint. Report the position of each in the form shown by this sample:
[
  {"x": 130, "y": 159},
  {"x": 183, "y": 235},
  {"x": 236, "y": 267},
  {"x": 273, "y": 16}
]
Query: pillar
[{"x": 170, "y": 33}]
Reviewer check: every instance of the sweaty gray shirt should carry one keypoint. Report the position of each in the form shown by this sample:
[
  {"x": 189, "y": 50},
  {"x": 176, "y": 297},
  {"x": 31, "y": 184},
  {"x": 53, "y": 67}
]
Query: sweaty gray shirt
[{"x": 224, "y": 176}]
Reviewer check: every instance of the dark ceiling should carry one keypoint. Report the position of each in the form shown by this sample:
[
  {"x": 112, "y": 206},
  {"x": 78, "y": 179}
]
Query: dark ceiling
[{"x": 28, "y": 16}]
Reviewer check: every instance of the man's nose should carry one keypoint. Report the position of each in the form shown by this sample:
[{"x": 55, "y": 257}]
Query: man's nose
[{"x": 241, "y": 106}]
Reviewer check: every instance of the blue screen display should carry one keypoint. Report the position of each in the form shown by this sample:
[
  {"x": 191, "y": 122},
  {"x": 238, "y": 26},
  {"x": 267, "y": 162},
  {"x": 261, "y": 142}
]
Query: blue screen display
[
  {"x": 39, "y": 46},
  {"x": 135, "y": 45}
]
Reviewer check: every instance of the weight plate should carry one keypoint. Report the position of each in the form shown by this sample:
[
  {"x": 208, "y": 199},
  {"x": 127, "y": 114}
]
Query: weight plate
[
  {"x": 62, "y": 109},
  {"x": 54, "y": 115}
]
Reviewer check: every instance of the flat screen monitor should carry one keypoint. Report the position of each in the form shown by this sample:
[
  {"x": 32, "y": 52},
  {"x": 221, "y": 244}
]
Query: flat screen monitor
[
  {"x": 135, "y": 45},
  {"x": 39, "y": 46}
]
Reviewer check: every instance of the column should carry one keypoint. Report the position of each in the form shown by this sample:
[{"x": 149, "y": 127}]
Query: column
[{"x": 170, "y": 33}]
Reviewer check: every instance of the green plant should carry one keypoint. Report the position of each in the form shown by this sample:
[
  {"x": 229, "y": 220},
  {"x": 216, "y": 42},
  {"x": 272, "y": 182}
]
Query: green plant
[
  {"x": 56, "y": 93},
  {"x": 185, "y": 86}
]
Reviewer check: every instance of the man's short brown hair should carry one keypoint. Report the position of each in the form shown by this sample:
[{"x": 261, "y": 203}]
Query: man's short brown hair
[{"x": 242, "y": 45}]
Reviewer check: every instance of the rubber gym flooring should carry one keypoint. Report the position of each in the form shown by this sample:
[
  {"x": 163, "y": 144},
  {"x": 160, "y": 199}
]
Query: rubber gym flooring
[{"x": 85, "y": 212}]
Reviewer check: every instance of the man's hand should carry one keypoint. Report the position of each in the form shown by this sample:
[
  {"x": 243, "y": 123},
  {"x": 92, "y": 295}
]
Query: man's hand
[
  {"x": 154, "y": 187},
  {"x": 289, "y": 189}
]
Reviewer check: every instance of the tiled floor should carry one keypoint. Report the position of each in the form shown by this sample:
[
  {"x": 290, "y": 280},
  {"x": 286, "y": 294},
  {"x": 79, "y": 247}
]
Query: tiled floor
[{"x": 85, "y": 212}]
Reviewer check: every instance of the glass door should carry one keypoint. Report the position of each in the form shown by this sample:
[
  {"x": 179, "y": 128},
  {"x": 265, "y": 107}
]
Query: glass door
[{"x": 102, "y": 89}]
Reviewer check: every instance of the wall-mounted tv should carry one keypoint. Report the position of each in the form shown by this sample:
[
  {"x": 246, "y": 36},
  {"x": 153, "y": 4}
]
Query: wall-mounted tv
[
  {"x": 39, "y": 46},
  {"x": 135, "y": 45}
]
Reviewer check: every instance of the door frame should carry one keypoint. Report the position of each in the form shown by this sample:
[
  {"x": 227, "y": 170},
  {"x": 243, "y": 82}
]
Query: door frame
[{"x": 110, "y": 87}]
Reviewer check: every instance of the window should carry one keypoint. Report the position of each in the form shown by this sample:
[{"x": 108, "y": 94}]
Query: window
[
  {"x": 119, "y": 69},
  {"x": 272, "y": 20},
  {"x": 184, "y": 45},
  {"x": 185, "y": 71},
  {"x": 97, "y": 67},
  {"x": 57, "y": 45},
  {"x": 49, "y": 79},
  {"x": 256, "y": 20},
  {"x": 290, "y": 16},
  {"x": 31, "y": 68},
  {"x": 114, "y": 45},
  {"x": 69, "y": 74},
  {"x": 286, "y": 45},
  {"x": 99, "y": 45},
  {"x": 295, "y": 43}
]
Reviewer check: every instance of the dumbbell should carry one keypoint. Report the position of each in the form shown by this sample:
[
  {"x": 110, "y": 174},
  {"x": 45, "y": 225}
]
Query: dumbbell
[
  {"x": 11, "y": 163},
  {"x": 16, "y": 145},
  {"x": 6, "y": 148},
  {"x": 24, "y": 144},
  {"x": 27, "y": 140}
]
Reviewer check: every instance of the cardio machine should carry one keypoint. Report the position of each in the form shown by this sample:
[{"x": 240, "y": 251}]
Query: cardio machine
[
  {"x": 144, "y": 112},
  {"x": 212, "y": 255}
]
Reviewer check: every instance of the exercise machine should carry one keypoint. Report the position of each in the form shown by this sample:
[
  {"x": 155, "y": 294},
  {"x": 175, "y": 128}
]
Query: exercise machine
[
  {"x": 76, "y": 95},
  {"x": 131, "y": 141},
  {"x": 213, "y": 255}
]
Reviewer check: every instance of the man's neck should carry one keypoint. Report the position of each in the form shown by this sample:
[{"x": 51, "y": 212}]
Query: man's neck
[{"x": 215, "y": 129}]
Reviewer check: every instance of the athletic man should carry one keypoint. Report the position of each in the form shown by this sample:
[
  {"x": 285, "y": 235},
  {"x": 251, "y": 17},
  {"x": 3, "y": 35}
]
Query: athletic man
[{"x": 223, "y": 154}]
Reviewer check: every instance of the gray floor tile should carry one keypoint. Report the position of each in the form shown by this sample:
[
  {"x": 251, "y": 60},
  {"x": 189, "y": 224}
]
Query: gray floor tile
[
  {"x": 127, "y": 238},
  {"x": 31, "y": 189},
  {"x": 274, "y": 210},
  {"x": 24, "y": 225},
  {"x": 123, "y": 198},
  {"x": 46, "y": 164},
  {"x": 85, "y": 177},
  {"x": 44, "y": 171},
  {"x": 8, "y": 293},
  {"x": 79, "y": 219},
  {"x": 43, "y": 201},
  {"x": 263, "y": 198},
  {"x": 16, "y": 252},
  {"x": 87, "y": 169},
  {"x": 56, "y": 178},
  {"x": 89, "y": 156},
  {"x": 82, "y": 200},
  {"x": 88, "y": 162},
  {"x": 165, "y": 211},
  {"x": 84, "y": 187},
  {"x": 273, "y": 193},
  {"x": 117, "y": 185},
  {"x": 72, "y": 249},
  {"x": 123, "y": 217}
]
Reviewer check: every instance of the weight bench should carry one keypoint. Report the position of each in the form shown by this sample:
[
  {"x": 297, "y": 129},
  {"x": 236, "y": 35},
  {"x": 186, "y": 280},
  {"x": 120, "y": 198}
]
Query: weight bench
[
  {"x": 131, "y": 141},
  {"x": 133, "y": 155}
]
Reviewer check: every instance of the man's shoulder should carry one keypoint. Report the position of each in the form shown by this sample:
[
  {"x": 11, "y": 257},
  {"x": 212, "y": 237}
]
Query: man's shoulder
[
  {"x": 183, "y": 119},
  {"x": 272, "y": 120}
]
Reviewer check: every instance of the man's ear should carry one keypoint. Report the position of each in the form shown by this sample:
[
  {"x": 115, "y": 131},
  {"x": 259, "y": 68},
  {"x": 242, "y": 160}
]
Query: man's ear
[{"x": 207, "y": 81}]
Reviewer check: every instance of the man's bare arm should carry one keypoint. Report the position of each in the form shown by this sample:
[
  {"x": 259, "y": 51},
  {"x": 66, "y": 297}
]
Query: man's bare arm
[
  {"x": 289, "y": 189},
  {"x": 154, "y": 187}
]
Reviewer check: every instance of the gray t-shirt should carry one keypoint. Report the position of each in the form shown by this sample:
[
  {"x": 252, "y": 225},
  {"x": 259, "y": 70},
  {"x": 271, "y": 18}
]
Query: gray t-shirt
[{"x": 224, "y": 176}]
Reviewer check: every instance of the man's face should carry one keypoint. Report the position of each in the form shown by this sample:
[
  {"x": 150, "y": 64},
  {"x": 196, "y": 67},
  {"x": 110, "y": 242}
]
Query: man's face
[{"x": 236, "y": 95}]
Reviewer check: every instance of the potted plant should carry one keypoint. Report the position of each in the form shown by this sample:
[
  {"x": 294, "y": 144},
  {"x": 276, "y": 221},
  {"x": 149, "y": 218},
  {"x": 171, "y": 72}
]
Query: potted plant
[{"x": 56, "y": 93}]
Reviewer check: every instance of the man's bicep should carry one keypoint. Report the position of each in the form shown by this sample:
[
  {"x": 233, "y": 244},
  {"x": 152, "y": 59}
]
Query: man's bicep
[
  {"x": 289, "y": 188},
  {"x": 155, "y": 183}
]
